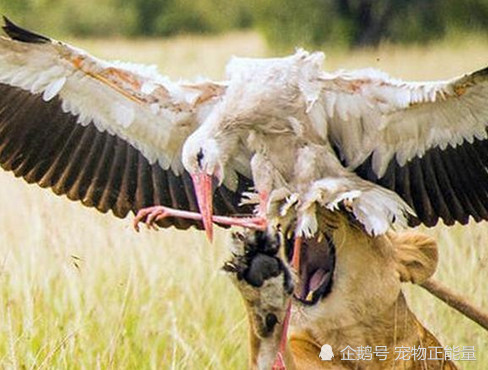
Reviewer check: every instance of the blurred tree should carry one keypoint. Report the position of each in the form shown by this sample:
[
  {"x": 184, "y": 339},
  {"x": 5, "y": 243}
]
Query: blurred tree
[
  {"x": 467, "y": 14},
  {"x": 367, "y": 22},
  {"x": 147, "y": 14}
]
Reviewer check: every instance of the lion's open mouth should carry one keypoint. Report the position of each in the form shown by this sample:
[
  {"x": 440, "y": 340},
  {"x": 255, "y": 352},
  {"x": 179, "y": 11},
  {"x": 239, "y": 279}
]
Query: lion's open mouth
[{"x": 317, "y": 262}]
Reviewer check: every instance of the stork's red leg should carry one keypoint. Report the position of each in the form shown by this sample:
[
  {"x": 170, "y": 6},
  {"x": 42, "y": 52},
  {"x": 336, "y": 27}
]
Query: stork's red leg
[
  {"x": 297, "y": 250},
  {"x": 257, "y": 222},
  {"x": 263, "y": 203},
  {"x": 152, "y": 215},
  {"x": 279, "y": 363}
]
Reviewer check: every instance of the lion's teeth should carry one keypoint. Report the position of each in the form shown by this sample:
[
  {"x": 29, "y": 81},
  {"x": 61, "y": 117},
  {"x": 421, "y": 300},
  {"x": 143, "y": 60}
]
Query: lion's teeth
[
  {"x": 309, "y": 296},
  {"x": 289, "y": 235}
]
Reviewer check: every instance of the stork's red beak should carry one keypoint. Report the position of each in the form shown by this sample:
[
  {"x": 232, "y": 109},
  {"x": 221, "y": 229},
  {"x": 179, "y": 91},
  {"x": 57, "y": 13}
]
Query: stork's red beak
[{"x": 203, "y": 189}]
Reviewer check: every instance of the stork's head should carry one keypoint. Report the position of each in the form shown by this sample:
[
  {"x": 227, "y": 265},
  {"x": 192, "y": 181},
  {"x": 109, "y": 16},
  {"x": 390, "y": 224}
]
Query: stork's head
[{"x": 205, "y": 154}]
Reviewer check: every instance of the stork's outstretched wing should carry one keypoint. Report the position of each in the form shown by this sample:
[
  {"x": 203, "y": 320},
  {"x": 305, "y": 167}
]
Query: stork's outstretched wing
[
  {"x": 426, "y": 141},
  {"x": 107, "y": 134}
]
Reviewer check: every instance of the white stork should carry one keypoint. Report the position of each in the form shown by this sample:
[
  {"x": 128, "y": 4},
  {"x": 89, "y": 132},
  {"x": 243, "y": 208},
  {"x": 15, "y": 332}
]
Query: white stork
[{"x": 121, "y": 137}]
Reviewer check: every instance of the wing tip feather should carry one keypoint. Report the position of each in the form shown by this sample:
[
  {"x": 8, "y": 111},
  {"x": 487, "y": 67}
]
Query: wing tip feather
[{"x": 20, "y": 34}]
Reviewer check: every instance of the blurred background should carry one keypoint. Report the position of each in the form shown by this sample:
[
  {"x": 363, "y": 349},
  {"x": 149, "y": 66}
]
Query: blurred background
[
  {"x": 284, "y": 23},
  {"x": 83, "y": 290}
]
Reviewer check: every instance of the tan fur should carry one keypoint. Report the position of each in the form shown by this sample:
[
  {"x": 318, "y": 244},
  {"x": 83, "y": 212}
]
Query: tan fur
[{"x": 366, "y": 306}]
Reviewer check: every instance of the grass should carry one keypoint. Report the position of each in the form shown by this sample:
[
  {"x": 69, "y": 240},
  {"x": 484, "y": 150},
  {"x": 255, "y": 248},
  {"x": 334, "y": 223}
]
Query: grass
[{"x": 81, "y": 290}]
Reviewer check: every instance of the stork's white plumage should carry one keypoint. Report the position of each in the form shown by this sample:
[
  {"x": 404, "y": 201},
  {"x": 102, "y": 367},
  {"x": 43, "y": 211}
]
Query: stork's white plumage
[{"x": 122, "y": 137}]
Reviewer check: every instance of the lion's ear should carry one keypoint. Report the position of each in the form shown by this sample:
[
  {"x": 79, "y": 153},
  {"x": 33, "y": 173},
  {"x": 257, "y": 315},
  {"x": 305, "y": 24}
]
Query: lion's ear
[{"x": 416, "y": 256}]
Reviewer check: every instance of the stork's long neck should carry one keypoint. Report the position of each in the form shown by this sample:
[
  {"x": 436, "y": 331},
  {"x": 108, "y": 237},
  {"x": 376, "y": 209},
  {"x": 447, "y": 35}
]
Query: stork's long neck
[
  {"x": 298, "y": 161},
  {"x": 278, "y": 150}
]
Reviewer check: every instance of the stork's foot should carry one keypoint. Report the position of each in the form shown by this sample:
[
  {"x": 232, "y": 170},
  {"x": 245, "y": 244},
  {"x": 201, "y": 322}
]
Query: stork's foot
[
  {"x": 266, "y": 287},
  {"x": 150, "y": 216}
]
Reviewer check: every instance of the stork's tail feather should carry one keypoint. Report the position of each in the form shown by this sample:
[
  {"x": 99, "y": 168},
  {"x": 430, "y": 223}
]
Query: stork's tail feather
[
  {"x": 20, "y": 34},
  {"x": 376, "y": 208},
  {"x": 379, "y": 209}
]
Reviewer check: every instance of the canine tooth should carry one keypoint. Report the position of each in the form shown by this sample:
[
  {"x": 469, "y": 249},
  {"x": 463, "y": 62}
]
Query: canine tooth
[
  {"x": 309, "y": 296},
  {"x": 320, "y": 238},
  {"x": 289, "y": 234}
]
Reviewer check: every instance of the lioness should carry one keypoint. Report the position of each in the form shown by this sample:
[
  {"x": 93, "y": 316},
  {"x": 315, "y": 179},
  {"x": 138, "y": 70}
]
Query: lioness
[{"x": 348, "y": 295}]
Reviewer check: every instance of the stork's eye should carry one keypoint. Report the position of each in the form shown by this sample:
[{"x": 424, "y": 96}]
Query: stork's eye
[{"x": 200, "y": 157}]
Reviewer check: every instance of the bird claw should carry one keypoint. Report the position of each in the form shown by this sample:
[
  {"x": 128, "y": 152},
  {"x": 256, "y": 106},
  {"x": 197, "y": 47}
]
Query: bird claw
[{"x": 150, "y": 216}]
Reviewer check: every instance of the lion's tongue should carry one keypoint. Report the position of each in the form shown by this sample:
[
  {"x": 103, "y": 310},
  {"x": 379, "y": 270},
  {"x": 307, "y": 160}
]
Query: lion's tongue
[{"x": 318, "y": 278}]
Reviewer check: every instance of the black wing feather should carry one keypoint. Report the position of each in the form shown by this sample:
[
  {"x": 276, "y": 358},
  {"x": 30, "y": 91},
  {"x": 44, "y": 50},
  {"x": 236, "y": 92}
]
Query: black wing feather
[
  {"x": 42, "y": 144},
  {"x": 20, "y": 34},
  {"x": 449, "y": 184}
]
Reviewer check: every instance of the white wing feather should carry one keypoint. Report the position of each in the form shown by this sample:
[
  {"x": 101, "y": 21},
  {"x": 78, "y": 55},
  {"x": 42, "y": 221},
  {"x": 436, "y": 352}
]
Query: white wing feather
[{"x": 133, "y": 102}]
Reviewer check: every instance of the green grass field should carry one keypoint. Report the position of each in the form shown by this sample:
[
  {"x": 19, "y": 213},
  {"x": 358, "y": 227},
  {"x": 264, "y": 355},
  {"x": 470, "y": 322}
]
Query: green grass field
[{"x": 81, "y": 290}]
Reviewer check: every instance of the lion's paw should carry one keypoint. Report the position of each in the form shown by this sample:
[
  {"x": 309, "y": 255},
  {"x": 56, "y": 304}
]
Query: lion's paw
[{"x": 261, "y": 277}]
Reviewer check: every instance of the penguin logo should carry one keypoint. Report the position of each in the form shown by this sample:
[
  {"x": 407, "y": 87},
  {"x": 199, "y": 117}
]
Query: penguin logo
[{"x": 326, "y": 353}]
